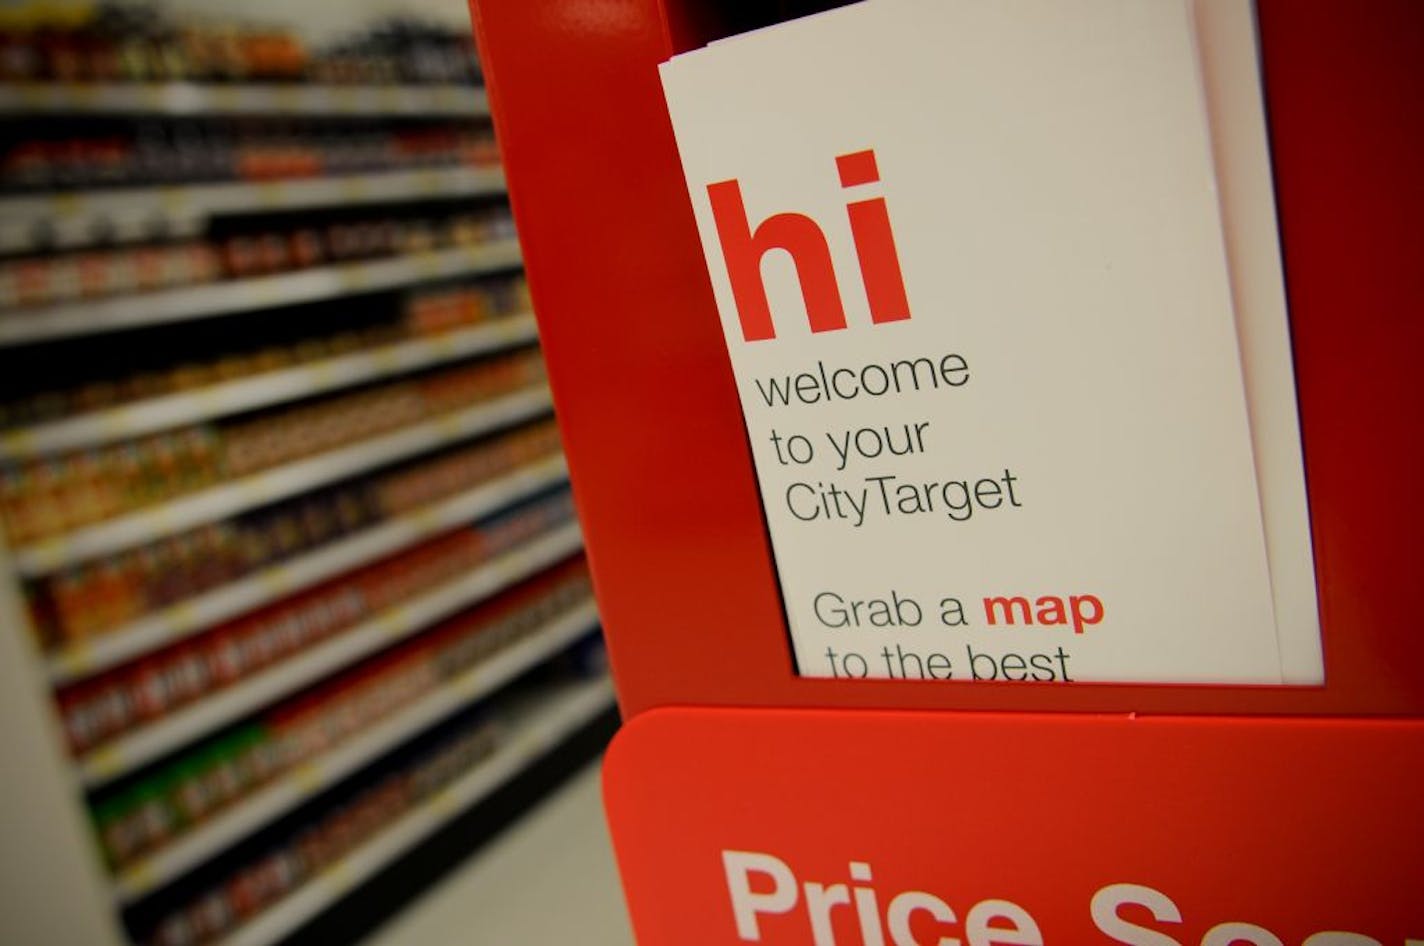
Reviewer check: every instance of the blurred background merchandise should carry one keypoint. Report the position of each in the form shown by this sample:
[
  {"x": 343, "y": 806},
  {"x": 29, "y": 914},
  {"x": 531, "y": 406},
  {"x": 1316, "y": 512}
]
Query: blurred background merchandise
[
  {"x": 119, "y": 40},
  {"x": 287, "y": 533}
]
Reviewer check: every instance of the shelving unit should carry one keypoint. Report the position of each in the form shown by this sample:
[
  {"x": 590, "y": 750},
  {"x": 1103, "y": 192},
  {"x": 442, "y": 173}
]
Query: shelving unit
[
  {"x": 270, "y": 584},
  {"x": 68, "y": 665},
  {"x": 269, "y": 486},
  {"x": 130, "y": 752},
  {"x": 536, "y": 727},
  {"x": 313, "y": 776}
]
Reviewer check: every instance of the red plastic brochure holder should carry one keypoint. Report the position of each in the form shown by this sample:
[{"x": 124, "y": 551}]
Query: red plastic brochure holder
[
  {"x": 1297, "y": 825},
  {"x": 660, "y": 465}
]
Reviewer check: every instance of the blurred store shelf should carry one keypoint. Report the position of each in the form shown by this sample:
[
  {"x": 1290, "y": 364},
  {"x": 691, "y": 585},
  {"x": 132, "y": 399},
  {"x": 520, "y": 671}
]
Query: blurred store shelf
[
  {"x": 537, "y": 727},
  {"x": 263, "y": 390},
  {"x": 268, "y": 486},
  {"x": 76, "y": 218},
  {"x": 319, "y": 773},
  {"x": 195, "y": 98},
  {"x": 271, "y": 584},
  {"x": 146, "y": 744},
  {"x": 22, "y": 326}
]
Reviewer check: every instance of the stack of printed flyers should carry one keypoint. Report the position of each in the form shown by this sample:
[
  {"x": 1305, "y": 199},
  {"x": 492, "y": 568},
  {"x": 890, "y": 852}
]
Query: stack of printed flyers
[{"x": 1001, "y": 289}]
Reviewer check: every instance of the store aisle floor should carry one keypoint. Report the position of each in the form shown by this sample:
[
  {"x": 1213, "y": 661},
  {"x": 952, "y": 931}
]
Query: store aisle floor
[{"x": 549, "y": 879}]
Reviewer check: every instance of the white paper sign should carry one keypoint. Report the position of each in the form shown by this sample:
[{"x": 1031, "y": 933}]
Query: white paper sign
[{"x": 970, "y": 267}]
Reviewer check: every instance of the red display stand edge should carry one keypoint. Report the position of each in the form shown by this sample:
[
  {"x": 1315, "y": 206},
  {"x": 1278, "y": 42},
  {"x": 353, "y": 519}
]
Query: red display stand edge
[{"x": 660, "y": 466}]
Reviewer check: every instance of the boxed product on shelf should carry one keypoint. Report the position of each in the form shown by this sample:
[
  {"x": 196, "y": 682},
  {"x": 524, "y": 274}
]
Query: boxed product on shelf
[
  {"x": 210, "y": 776},
  {"x": 441, "y": 310},
  {"x": 163, "y": 681}
]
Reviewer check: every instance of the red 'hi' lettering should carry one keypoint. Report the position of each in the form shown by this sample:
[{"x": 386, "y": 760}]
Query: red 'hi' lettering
[
  {"x": 743, "y": 250},
  {"x": 805, "y": 242}
]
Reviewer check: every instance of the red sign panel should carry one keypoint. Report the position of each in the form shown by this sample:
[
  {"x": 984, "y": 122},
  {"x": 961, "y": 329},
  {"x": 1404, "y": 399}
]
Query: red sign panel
[{"x": 823, "y": 828}]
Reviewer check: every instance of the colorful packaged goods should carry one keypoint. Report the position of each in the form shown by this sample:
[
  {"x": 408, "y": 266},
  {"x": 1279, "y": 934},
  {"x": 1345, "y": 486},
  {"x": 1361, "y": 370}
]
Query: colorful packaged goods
[
  {"x": 333, "y": 833},
  {"x": 425, "y": 312},
  {"x": 38, "y": 281},
  {"x": 130, "y": 696},
  {"x": 142, "y": 42},
  {"x": 46, "y": 498},
  {"x": 41, "y": 157},
  {"x": 187, "y": 791}
]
